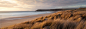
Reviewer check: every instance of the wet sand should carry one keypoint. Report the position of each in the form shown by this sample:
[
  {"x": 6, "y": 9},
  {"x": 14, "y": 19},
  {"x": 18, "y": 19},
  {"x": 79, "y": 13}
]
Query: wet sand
[{"x": 15, "y": 20}]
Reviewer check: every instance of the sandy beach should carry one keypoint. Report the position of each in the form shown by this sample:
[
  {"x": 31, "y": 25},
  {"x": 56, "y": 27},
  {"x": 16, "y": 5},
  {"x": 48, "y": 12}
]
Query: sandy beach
[
  {"x": 69, "y": 19},
  {"x": 16, "y": 20}
]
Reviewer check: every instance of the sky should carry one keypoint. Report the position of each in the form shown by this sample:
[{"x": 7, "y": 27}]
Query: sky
[{"x": 32, "y": 5}]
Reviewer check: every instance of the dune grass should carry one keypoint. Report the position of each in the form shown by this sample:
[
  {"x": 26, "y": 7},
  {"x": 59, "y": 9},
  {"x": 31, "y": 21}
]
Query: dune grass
[{"x": 69, "y": 19}]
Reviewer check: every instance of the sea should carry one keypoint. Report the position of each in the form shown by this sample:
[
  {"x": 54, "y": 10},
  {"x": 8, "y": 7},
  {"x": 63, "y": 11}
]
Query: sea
[{"x": 8, "y": 14}]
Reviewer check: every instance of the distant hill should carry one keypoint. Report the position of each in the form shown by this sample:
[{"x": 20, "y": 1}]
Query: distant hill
[
  {"x": 49, "y": 9},
  {"x": 81, "y": 8},
  {"x": 56, "y": 9}
]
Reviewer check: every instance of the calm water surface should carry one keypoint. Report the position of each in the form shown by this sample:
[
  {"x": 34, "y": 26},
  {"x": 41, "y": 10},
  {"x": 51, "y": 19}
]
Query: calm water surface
[{"x": 19, "y": 14}]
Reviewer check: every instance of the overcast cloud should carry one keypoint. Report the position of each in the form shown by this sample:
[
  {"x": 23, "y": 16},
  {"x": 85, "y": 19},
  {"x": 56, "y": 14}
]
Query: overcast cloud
[{"x": 32, "y": 5}]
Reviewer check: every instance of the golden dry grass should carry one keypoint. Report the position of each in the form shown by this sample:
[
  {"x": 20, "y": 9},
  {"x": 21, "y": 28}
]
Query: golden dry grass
[{"x": 70, "y": 19}]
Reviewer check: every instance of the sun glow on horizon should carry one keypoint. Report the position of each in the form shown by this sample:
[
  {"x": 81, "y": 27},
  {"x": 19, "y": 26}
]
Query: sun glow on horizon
[
  {"x": 12, "y": 9},
  {"x": 33, "y": 5}
]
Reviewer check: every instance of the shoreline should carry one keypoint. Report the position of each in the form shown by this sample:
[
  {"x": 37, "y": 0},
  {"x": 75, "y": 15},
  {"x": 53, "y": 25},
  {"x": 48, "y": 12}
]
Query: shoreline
[
  {"x": 26, "y": 14},
  {"x": 69, "y": 19},
  {"x": 10, "y": 21}
]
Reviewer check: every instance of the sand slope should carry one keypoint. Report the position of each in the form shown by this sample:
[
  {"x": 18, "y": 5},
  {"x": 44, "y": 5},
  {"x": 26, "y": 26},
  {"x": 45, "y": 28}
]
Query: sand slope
[
  {"x": 14, "y": 20},
  {"x": 69, "y": 19}
]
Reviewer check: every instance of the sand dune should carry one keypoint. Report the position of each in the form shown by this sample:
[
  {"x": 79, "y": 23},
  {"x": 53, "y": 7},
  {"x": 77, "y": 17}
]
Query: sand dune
[
  {"x": 69, "y": 19},
  {"x": 16, "y": 20}
]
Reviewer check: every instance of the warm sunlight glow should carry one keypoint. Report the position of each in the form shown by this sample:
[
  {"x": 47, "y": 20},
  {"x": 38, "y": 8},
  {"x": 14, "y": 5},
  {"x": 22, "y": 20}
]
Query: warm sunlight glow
[
  {"x": 11, "y": 1},
  {"x": 13, "y": 9}
]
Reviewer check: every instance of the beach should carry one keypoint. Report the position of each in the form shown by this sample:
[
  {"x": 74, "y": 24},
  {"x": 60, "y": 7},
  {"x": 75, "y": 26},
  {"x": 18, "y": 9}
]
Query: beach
[
  {"x": 11, "y": 21},
  {"x": 68, "y": 19},
  {"x": 42, "y": 14}
]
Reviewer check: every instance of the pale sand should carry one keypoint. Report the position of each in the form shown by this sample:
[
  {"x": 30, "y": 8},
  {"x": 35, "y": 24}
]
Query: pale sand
[{"x": 13, "y": 20}]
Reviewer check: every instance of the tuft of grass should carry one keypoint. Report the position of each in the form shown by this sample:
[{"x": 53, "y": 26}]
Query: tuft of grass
[{"x": 69, "y": 19}]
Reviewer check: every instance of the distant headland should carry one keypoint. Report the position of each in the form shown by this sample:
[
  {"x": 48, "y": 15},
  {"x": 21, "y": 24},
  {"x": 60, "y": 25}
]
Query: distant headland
[{"x": 61, "y": 9}]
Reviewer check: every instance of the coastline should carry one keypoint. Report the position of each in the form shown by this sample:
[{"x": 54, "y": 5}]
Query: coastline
[
  {"x": 69, "y": 19},
  {"x": 11, "y": 21}
]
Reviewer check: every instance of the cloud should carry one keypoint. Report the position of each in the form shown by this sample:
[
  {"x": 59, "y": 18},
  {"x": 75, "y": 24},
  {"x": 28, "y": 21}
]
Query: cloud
[
  {"x": 40, "y": 4},
  {"x": 52, "y": 2},
  {"x": 13, "y": 9},
  {"x": 7, "y": 4}
]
